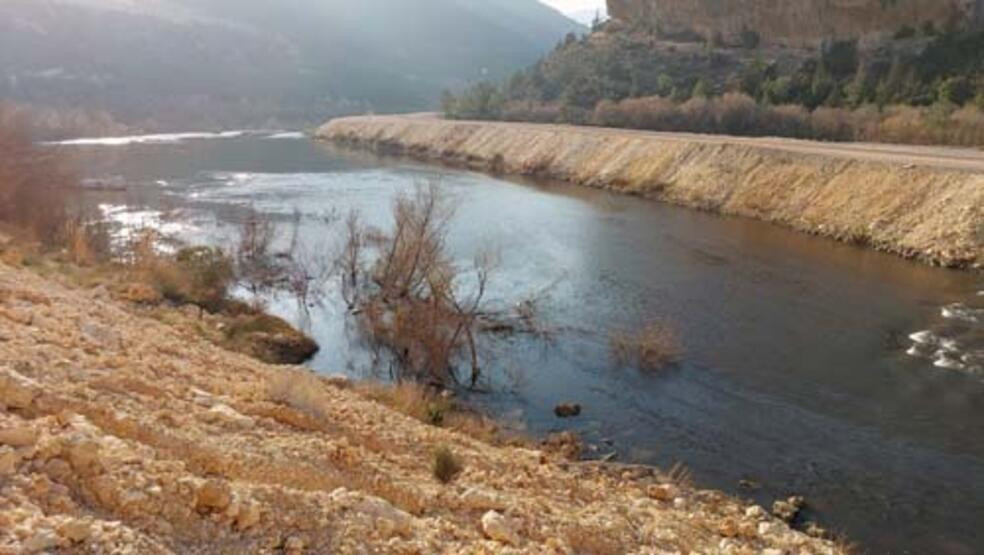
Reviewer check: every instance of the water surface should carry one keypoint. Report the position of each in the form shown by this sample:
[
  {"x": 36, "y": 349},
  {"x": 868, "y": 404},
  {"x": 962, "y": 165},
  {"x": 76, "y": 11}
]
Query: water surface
[{"x": 799, "y": 372}]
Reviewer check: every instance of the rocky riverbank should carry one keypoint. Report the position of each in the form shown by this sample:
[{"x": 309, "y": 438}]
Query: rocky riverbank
[
  {"x": 120, "y": 433},
  {"x": 920, "y": 203}
]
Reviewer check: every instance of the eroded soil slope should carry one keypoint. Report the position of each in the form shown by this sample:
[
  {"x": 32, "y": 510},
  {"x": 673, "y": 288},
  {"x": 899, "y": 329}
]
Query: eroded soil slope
[{"x": 120, "y": 433}]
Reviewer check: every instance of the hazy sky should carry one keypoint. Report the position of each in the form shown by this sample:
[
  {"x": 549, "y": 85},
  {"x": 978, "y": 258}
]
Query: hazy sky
[{"x": 568, "y": 6}]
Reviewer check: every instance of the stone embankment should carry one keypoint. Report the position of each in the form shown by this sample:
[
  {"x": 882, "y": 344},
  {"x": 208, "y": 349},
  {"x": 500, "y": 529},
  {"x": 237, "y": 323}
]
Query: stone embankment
[
  {"x": 922, "y": 203},
  {"x": 123, "y": 434}
]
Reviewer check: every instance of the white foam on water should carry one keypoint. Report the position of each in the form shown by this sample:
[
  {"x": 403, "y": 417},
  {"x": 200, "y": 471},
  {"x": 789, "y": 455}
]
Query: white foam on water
[
  {"x": 960, "y": 311},
  {"x": 287, "y": 135},
  {"x": 130, "y": 221},
  {"x": 160, "y": 139},
  {"x": 924, "y": 337},
  {"x": 948, "y": 363},
  {"x": 235, "y": 178},
  {"x": 950, "y": 345}
]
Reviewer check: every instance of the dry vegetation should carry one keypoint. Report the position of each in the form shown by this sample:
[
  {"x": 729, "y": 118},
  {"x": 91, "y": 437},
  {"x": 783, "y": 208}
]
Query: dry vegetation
[
  {"x": 653, "y": 347},
  {"x": 446, "y": 465},
  {"x": 35, "y": 185},
  {"x": 411, "y": 299},
  {"x": 739, "y": 114}
]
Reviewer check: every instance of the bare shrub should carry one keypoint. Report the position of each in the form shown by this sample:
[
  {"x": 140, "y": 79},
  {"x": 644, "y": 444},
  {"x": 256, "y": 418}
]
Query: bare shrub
[
  {"x": 446, "y": 465},
  {"x": 536, "y": 112},
  {"x": 87, "y": 241},
  {"x": 968, "y": 126},
  {"x": 787, "y": 120},
  {"x": 305, "y": 270},
  {"x": 256, "y": 267},
  {"x": 200, "y": 276},
  {"x": 653, "y": 347},
  {"x": 208, "y": 273},
  {"x": 832, "y": 124},
  {"x": 899, "y": 125},
  {"x": 350, "y": 261},
  {"x": 737, "y": 114},
  {"x": 698, "y": 113},
  {"x": 652, "y": 112},
  {"x": 296, "y": 268},
  {"x": 299, "y": 389},
  {"x": 412, "y": 303},
  {"x": 35, "y": 184}
]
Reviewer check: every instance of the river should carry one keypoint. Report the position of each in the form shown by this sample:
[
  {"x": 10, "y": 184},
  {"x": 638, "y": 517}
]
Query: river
[{"x": 847, "y": 376}]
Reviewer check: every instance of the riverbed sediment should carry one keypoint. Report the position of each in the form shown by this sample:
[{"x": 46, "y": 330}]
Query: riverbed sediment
[{"x": 920, "y": 203}]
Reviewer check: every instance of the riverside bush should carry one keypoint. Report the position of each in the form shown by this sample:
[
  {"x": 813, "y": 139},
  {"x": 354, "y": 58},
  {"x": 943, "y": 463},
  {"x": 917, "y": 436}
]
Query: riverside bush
[
  {"x": 739, "y": 114},
  {"x": 35, "y": 186},
  {"x": 446, "y": 465}
]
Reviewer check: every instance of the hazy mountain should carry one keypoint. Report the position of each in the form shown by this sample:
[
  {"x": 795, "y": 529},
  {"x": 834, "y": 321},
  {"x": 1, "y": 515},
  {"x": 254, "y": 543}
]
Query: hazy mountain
[{"x": 221, "y": 63}]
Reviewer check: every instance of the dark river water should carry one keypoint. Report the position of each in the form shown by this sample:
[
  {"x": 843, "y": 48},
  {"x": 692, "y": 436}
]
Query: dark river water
[{"x": 798, "y": 372}]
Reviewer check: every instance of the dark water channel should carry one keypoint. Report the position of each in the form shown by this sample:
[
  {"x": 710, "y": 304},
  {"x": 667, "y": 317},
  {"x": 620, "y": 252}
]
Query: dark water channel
[{"x": 798, "y": 374}]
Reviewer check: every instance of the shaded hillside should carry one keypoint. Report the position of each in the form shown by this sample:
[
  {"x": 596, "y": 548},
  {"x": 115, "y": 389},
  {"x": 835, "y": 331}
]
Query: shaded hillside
[
  {"x": 803, "y": 23},
  {"x": 168, "y": 64}
]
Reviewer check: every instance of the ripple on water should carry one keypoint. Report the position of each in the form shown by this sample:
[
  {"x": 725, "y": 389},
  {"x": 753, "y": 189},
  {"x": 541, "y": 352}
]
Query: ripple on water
[
  {"x": 127, "y": 221},
  {"x": 960, "y": 311},
  {"x": 956, "y": 340}
]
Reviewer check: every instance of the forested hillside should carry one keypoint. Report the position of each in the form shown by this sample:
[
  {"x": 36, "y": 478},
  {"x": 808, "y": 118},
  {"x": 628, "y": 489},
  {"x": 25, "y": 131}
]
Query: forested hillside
[{"x": 920, "y": 85}]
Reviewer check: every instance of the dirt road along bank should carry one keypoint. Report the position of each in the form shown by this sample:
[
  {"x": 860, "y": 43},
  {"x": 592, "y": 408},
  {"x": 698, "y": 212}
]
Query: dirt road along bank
[{"x": 925, "y": 203}]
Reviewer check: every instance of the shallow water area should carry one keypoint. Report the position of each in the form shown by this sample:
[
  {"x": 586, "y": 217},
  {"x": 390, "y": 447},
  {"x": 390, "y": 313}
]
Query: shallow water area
[{"x": 847, "y": 376}]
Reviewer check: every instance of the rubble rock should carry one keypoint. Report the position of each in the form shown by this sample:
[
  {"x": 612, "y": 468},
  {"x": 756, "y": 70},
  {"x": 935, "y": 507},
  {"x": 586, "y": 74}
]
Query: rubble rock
[{"x": 499, "y": 528}]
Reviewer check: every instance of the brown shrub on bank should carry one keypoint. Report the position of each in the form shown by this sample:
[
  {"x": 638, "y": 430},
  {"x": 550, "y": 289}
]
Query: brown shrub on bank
[
  {"x": 446, "y": 465},
  {"x": 739, "y": 114},
  {"x": 35, "y": 185},
  {"x": 651, "y": 348},
  {"x": 409, "y": 302},
  {"x": 532, "y": 112},
  {"x": 200, "y": 276}
]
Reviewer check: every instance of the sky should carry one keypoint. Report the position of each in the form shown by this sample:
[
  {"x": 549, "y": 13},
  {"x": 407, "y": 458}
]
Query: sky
[{"x": 569, "y": 6}]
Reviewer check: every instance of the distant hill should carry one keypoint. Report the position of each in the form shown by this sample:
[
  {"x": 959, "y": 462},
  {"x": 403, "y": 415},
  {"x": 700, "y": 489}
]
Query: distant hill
[{"x": 170, "y": 64}]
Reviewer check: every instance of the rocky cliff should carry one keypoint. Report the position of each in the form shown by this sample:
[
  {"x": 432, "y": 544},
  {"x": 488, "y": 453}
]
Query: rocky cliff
[
  {"x": 799, "y": 23},
  {"x": 926, "y": 204}
]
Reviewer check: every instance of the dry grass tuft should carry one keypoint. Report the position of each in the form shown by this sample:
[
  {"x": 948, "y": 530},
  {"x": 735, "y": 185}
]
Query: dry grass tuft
[
  {"x": 653, "y": 347},
  {"x": 298, "y": 389},
  {"x": 446, "y": 465},
  {"x": 425, "y": 404}
]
